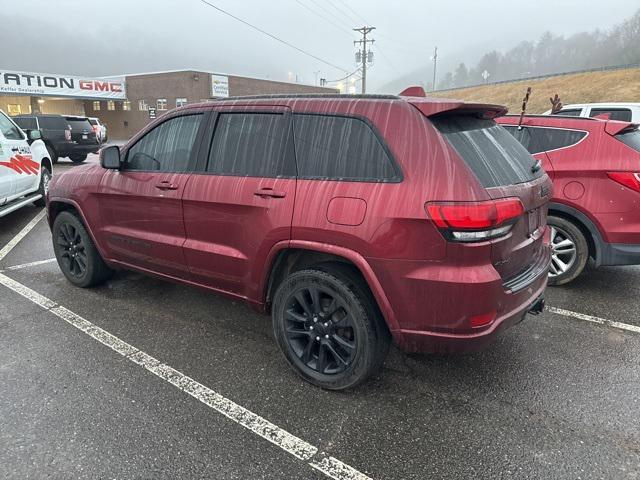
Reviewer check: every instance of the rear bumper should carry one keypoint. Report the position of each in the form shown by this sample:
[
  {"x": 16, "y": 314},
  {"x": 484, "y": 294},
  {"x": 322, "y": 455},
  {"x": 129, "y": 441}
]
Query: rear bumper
[
  {"x": 620, "y": 254},
  {"x": 432, "y": 303}
]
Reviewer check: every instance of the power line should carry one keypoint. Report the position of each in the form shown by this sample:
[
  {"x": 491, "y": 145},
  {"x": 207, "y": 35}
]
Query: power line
[
  {"x": 357, "y": 15},
  {"x": 328, "y": 20},
  {"x": 348, "y": 16},
  {"x": 284, "y": 42},
  {"x": 322, "y": 7},
  {"x": 344, "y": 78}
]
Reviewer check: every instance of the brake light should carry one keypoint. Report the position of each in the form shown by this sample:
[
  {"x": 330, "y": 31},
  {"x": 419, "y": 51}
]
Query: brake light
[
  {"x": 67, "y": 134},
  {"x": 628, "y": 179},
  {"x": 475, "y": 221}
]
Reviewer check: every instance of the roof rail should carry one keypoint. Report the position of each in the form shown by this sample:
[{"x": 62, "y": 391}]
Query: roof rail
[{"x": 308, "y": 95}]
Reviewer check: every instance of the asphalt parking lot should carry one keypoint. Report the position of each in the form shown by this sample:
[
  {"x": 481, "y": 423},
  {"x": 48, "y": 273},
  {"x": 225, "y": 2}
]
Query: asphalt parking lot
[{"x": 556, "y": 397}]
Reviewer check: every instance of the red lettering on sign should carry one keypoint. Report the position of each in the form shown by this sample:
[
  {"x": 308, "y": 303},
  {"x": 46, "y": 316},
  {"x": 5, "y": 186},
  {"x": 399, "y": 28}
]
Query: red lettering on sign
[
  {"x": 116, "y": 87},
  {"x": 86, "y": 85},
  {"x": 101, "y": 86}
]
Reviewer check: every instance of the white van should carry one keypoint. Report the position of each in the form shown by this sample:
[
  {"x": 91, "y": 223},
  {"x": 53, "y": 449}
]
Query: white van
[
  {"x": 627, "y": 112},
  {"x": 25, "y": 167}
]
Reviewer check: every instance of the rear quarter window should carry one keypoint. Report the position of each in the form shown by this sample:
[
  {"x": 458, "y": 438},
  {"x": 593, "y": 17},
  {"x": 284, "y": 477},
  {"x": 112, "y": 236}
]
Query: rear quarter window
[
  {"x": 542, "y": 139},
  {"x": 495, "y": 157},
  {"x": 341, "y": 148},
  {"x": 79, "y": 124}
]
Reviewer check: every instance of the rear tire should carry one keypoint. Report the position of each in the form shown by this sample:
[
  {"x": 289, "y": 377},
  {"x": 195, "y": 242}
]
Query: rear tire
[
  {"x": 76, "y": 253},
  {"x": 328, "y": 328},
  {"x": 53, "y": 155},
  {"x": 569, "y": 251},
  {"x": 45, "y": 178},
  {"x": 78, "y": 158}
]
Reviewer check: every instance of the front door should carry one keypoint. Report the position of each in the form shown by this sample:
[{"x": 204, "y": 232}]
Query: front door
[
  {"x": 19, "y": 173},
  {"x": 141, "y": 204},
  {"x": 241, "y": 202}
]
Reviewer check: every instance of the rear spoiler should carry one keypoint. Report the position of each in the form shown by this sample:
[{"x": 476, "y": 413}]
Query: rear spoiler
[
  {"x": 431, "y": 106},
  {"x": 614, "y": 127}
]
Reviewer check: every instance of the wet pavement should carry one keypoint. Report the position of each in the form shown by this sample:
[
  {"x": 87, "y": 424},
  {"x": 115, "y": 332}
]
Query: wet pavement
[{"x": 555, "y": 397}]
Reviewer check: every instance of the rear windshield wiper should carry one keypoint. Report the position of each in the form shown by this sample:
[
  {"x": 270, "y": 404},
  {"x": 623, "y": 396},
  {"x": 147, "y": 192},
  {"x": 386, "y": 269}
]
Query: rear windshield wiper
[{"x": 535, "y": 168}]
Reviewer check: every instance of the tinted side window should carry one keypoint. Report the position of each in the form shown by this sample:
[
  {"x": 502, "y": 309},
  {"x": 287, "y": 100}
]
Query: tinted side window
[
  {"x": 53, "y": 123},
  {"x": 8, "y": 129},
  {"x": 623, "y": 114},
  {"x": 630, "y": 138},
  {"x": 252, "y": 145},
  {"x": 570, "y": 112},
  {"x": 539, "y": 139},
  {"x": 545, "y": 139},
  {"x": 340, "y": 148},
  {"x": 166, "y": 148},
  {"x": 26, "y": 123}
]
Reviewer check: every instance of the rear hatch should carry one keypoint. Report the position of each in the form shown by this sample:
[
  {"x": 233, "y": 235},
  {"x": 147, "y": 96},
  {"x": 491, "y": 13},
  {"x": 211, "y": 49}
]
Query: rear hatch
[
  {"x": 81, "y": 131},
  {"x": 507, "y": 171}
]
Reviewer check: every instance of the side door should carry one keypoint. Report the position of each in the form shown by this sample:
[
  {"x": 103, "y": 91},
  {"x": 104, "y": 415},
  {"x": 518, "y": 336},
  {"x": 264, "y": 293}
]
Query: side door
[
  {"x": 141, "y": 204},
  {"x": 7, "y": 174},
  {"x": 528, "y": 137},
  {"x": 18, "y": 160},
  {"x": 240, "y": 203}
]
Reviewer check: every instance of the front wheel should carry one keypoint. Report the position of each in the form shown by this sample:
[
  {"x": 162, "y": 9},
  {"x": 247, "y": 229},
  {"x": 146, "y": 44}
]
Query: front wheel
[
  {"x": 328, "y": 328},
  {"x": 76, "y": 253},
  {"x": 569, "y": 251},
  {"x": 45, "y": 178}
]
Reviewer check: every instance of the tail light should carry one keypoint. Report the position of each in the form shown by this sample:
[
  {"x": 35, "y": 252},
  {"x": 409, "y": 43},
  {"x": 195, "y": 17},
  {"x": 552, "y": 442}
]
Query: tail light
[
  {"x": 475, "y": 221},
  {"x": 67, "y": 134},
  {"x": 628, "y": 179}
]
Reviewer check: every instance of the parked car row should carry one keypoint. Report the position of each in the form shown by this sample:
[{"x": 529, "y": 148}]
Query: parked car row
[{"x": 64, "y": 135}]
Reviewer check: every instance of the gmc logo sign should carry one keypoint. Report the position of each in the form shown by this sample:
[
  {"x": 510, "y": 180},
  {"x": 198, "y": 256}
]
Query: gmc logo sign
[{"x": 99, "y": 86}]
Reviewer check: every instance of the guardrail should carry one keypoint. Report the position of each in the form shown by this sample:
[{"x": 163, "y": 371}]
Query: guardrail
[{"x": 549, "y": 75}]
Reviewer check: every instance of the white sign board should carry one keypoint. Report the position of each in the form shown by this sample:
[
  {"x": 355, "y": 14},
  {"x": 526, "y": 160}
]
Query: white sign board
[
  {"x": 44, "y": 84},
  {"x": 219, "y": 86}
]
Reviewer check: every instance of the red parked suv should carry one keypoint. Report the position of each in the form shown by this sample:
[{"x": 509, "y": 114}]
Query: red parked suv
[
  {"x": 352, "y": 219},
  {"x": 595, "y": 168}
]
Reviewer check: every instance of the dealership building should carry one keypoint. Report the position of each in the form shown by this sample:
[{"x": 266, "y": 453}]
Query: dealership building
[{"x": 127, "y": 103}]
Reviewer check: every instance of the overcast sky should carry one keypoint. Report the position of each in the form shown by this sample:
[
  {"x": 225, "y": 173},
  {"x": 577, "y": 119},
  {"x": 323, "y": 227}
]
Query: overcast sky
[{"x": 128, "y": 36}]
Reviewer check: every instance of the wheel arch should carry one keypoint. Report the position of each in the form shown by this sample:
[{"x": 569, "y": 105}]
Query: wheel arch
[
  {"x": 289, "y": 257},
  {"x": 58, "y": 205},
  {"x": 585, "y": 224}
]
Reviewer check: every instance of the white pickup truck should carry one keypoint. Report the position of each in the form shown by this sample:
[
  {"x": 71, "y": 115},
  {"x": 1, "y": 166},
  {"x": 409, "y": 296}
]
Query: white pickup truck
[{"x": 25, "y": 167}]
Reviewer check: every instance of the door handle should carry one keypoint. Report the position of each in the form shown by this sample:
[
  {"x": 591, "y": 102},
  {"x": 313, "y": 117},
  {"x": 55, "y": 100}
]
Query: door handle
[
  {"x": 269, "y": 193},
  {"x": 15, "y": 149},
  {"x": 166, "y": 185}
]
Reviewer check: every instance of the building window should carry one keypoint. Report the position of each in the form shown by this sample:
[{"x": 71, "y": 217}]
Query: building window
[
  {"x": 161, "y": 104},
  {"x": 111, "y": 105},
  {"x": 14, "y": 109},
  {"x": 180, "y": 102},
  {"x": 142, "y": 105},
  {"x": 126, "y": 105},
  {"x": 96, "y": 106}
]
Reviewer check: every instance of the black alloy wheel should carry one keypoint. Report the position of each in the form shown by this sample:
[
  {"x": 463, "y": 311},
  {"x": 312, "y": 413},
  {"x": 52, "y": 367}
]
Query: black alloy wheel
[
  {"x": 320, "y": 330},
  {"x": 72, "y": 250}
]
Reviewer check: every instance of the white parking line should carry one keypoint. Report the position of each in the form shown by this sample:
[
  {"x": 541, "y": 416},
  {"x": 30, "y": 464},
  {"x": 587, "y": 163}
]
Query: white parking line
[
  {"x": 28, "y": 227},
  {"x": 592, "y": 319},
  {"x": 291, "y": 444},
  {"x": 30, "y": 264}
]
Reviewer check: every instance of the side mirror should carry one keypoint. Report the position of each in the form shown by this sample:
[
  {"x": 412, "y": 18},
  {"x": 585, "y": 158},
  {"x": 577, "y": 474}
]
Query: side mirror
[
  {"x": 110, "y": 157},
  {"x": 33, "y": 135}
]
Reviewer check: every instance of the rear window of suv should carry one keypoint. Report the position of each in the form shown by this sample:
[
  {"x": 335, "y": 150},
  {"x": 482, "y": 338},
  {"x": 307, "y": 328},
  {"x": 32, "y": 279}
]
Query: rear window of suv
[
  {"x": 78, "y": 124},
  {"x": 495, "y": 157},
  {"x": 631, "y": 138},
  {"x": 53, "y": 123}
]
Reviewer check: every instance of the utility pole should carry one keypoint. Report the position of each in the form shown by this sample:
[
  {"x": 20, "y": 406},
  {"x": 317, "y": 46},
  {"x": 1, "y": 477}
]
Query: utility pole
[
  {"x": 364, "y": 55},
  {"x": 435, "y": 64}
]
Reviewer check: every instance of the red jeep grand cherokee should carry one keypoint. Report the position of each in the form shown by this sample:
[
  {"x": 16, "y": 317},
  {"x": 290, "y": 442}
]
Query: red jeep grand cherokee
[
  {"x": 595, "y": 168},
  {"x": 352, "y": 219}
]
